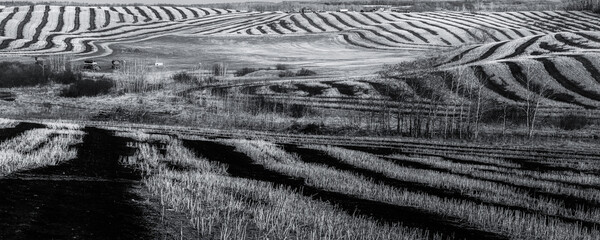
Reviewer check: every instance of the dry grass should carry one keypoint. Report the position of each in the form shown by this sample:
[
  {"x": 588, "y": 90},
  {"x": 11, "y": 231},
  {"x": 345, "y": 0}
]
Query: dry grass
[
  {"x": 514, "y": 223},
  {"x": 36, "y": 148},
  {"x": 224, "y": 207}
]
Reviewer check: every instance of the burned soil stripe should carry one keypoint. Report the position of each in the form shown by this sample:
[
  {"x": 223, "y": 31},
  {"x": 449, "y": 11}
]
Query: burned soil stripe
[
  {"x": 8, "y": 133},
  {"x": 92, "y": 20},
  {"x": 354, "y": 18},
  {"x": 459, "y": 25},
  {"x": 128, "y": 11},
  {"x": 196, "y": 15},
  {"x": 339, "y": 19},
  {"x": 459, "y": 56},
  {"x": 466, "y": 19},
  {"x": 353, "y": 43},
  {"x": 240, "y": 165},
  {"x": 38, "y": 29},
  {"x": 46, "y": 207},
  {"x": 371, "y": 18},
  {"x": 445, "y": 29},
  {"x": 488, "y": 53},
  {"x": 261, "y": 30},
  {"x": 572, "y": 42},
  {"x": 411, "y": 32},
  {"x": 312, "y": 22},
  {"x": 326, "y": 21},
  {"x": 77, "y": 22},
  {"x": 571, "y": 85},
  {"x": 206, "y": 13},
  {"x": 501, "y": 88},
  {"x": 395, "y": 33},
  {"x": 273, "y": 28},
  {"x": 422, "y": 28},
  {"x": 169, "y": 13},
  {"x": 20, "y": 33},
  {"x": 106, "y": 19},
  {"x": 376, "y": 33},
  {"x": 5, "y": 21},
  {"x": 156, "y": 13},
  {"x": 61, "y": 20},
  {"x": 589, "y": 37},
  {"x": 589, "y": 66},
  {"x": 320, "y": 157},
  {"x": 522, "y": 47},
  {"x": 385, "y": 18},
  {"x": 183, "y": 14},
  {"x": 287, "y": 26},
  {"x": 144, "y": 14},
  {"x": 298, "y": 24}
]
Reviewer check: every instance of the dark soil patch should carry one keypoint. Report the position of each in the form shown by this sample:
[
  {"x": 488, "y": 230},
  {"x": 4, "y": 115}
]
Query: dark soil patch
[
  {"x": 240, "y": 165},
  {"x": 90, "y": 197}
]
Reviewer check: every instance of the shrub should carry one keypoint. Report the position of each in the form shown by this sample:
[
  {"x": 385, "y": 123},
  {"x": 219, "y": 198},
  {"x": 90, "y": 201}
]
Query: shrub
[
  {"x": 305, "y": 72},
  {"x": 281, "y": 67},
  {"x": 579, "y": 5},
  {"x": 219, "y": 69},
  {"x": 287, "y": 73},
  {"x": 16, "y": 74},
  {"x": 244, "y": 71},
  {"x": 184, "y": 77},
  {"x": 88, "y": 88},
  {"x": 66, "y": 77},
  {"x": 572, "y": 122}
]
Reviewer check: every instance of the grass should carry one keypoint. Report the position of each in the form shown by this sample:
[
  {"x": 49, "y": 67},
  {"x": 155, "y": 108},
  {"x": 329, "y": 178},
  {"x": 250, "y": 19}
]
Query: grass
[
  {"x": 514, "y": 223},
  {"x": 486, "y": 191},
  {"x": 38, "y": 148},
  {"x": 224, "y": 207}
]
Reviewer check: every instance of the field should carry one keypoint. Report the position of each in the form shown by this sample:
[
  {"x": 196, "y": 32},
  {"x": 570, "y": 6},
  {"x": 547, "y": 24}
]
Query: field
[
  {"x": 199, "y": 122},
  {"x": 191, "y": 182}
]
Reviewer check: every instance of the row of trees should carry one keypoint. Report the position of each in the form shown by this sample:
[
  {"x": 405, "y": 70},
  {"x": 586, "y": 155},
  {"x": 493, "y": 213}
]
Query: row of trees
[{"x": 460, "y": 102}]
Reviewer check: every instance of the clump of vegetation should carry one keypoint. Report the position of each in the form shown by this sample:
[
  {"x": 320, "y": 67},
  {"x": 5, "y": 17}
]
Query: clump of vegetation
[
  {"x": 219, "y": 69},
  {"x": 244, "y": 71},
  {"x": 572, "y": 122},
  {"x": 305, "y": 72},
  {"x": 579, "y": 5},
  {"x": 281, "y": 67},
  {"x": 287, "y": 73},
  {"x": 184, "y": 77},
  {"x": 17, "y": 74},
  {"x": 66, "y": 77},
  {"x": 88, "y": 88}
]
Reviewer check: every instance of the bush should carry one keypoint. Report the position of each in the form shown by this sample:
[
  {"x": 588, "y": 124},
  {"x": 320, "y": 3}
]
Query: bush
[
  {"x": 281, "y": 67},
  {"x": 66, "y": 77},
  {"x": 184, "y": 77},
  {"x": 305, "y": 72},
  {"x": 219, "y": 69},
  {"x": 287, "y": 73},
  {"x": 244, "y": 71},
  {"x": 582, "y": 5},
  {"x": 572, "y": 122},
  {"x": 88, "y": 88},
  {"x": 16, "y": 74}
]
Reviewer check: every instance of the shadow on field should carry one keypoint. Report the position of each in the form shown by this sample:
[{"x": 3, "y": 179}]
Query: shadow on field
[
  {"x": 8, "y": 133},
  {"x": 240, "y": 165},
  {"x": 90, "y": 197}
]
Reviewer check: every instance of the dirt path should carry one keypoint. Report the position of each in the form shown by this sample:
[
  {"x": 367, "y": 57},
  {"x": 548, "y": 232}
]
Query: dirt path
[{"x": 90, "y": 197}]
